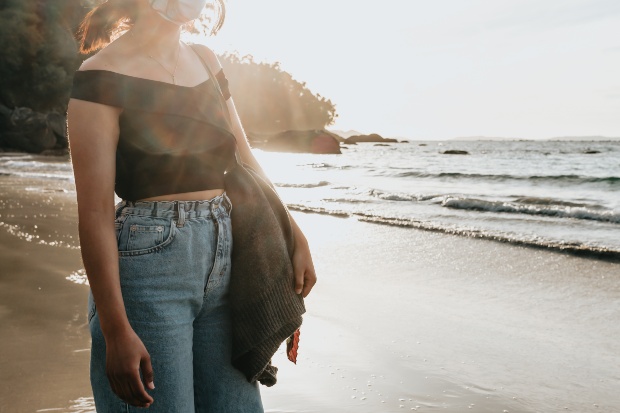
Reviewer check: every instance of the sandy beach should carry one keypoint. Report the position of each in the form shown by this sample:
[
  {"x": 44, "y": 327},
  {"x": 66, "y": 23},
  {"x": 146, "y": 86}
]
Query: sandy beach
[{"x": 401, "y": 319}]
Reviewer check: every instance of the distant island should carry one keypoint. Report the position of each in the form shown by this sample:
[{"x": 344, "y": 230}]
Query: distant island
[
  {"x": 345, "y": 134},
  {"x": 584, "y": 138}
]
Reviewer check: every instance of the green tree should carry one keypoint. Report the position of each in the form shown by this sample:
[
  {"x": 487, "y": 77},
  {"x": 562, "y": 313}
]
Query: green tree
[
  {"x": 38, "y": 53},
  {"x": 269, "y": 100},
  {"x": 38, "y": 56}
]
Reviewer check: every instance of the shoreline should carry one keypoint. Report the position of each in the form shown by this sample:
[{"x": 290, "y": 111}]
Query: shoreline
[
  {"x": 598, "y": 253},
  {"x": 531, "y": 240},
  {"x": 399, "y": 317}
]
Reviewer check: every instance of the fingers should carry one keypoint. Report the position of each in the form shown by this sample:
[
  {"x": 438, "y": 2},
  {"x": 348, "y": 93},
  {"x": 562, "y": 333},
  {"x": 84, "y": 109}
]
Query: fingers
[
  {"x": 305, "y": 276},
  {"x": 139, "y": 394},
  {"x": 128, "y": 386},
  {"x": 299, "y": 279},
  {"x": 147, "y": 372},
  {"x": 130, "y": 389},
  {"x": 310, "y": 281}
]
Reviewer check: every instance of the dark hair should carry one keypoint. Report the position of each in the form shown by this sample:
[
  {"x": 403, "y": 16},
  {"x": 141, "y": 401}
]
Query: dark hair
[{"x": 102, "y": 22}]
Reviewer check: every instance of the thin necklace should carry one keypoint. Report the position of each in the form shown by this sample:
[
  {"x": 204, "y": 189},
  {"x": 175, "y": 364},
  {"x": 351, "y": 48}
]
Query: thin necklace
[{"x": 161, "y": 64}]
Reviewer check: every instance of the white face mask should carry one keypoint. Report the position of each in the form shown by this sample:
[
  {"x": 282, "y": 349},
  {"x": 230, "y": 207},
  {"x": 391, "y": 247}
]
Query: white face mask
[{"x": 179, "y": 11}]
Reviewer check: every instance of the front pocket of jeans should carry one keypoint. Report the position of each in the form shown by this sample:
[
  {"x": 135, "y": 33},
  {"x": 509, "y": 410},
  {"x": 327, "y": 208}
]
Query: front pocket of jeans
[{"x": 142, "y": 235}]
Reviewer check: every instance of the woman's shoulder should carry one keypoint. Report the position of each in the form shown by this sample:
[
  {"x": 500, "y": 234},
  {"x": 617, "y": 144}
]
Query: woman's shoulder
[
  {"x": 101, "y": 79},
  {"x": 98, "y": 86},
  {"x": 211, "y": 59},
  {"x": 208, "y": 56}
]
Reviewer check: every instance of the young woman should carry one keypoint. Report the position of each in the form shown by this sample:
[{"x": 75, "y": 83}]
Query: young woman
[{"x": 147, "y": 122}]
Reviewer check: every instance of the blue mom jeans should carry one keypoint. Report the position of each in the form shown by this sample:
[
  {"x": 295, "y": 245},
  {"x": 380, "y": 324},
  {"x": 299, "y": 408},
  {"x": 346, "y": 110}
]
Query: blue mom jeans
[{"x": 174, "y": 259}]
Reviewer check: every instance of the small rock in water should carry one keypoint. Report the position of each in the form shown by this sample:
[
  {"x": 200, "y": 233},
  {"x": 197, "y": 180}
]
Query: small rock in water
[{"x": 455, "y": 152}]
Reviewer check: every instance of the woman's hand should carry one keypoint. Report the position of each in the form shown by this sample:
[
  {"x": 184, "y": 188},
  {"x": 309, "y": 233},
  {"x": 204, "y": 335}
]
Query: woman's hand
[
  {"x": 303, "y": 267},
  {"x": 126, "y": 357}
]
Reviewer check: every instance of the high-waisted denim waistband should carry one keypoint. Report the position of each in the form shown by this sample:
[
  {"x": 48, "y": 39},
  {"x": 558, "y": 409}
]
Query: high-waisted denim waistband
[{"x": 178, "y": 210}]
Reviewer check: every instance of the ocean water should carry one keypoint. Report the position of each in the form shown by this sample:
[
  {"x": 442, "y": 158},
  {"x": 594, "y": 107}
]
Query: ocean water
[
  {"x": 556, "y": 194},
  {"x": 551, "y": 194}
]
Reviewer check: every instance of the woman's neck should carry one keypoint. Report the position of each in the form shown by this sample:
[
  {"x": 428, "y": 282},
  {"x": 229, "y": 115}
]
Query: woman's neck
[{"x": 156, "y": 36}]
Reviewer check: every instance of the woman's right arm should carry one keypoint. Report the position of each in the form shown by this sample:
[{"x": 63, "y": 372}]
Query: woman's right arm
[{"x": 93, "y": 137}]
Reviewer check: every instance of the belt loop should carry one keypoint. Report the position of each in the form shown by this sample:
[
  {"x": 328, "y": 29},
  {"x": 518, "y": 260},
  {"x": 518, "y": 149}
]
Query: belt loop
[
  {"x": 180, "y": 210},
  {"x": 119, "y": 208},
  {"x": 213, "y": 206},
  {"x": 227, "y": 203}
]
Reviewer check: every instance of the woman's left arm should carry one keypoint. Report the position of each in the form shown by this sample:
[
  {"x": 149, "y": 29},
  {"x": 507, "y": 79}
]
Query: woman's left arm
[{"x": 305, "y": 276}]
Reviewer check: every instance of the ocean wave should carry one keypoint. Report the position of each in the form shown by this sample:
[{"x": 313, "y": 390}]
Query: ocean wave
[
  {"x": 306, "y": 185},
  {"x": 346, "y": 200},
  {"x": 568, "y": 179},
  {"x": 324, "y": 165},
  {"x": 27, "y": 174},
  {"x": 553, "y": 201},
  {"x": 400, "y": 196},
  {"x": 574, "y": 248},
  {"x": 29, "y": 164},
  {"x": 557, "y": 211},
  {"x": 318, "y": 210}
]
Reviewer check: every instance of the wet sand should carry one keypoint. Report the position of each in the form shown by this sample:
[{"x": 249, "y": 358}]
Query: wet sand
[
  {"x": 401, "y": 319},
  {"x": 44, "y": 337}
]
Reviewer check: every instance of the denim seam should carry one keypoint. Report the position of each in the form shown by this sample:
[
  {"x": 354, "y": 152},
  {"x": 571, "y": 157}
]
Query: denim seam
[
  {"x": 216, "y": 258},
  {"x": 91, "y": 313},
  {"x": 118, "y": 228}
]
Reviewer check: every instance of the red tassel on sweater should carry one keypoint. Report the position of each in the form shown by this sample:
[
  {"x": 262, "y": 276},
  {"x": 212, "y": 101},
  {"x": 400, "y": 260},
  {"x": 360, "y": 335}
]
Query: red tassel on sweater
[{"x": 292, "y": 343}]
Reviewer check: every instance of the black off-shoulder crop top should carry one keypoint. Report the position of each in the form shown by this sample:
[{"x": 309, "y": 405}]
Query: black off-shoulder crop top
[{"x": 172, "y": 139}]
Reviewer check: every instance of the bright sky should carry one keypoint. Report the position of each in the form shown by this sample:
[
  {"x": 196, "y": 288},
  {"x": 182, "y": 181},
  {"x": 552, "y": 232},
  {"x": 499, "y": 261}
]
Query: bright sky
[{"x": 438, "y": 69}]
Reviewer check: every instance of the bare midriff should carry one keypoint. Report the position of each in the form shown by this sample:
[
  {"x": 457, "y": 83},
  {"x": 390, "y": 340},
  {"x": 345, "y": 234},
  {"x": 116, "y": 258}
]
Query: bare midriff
[{"x": 187, "y": 196}]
